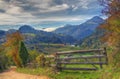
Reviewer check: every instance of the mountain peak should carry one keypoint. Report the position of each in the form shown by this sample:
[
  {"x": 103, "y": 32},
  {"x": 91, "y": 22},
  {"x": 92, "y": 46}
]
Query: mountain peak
[
  {"x": 83, "y": 30},
  {"x": 26, "y": 28},
  {"x": 96, "y": 19}
]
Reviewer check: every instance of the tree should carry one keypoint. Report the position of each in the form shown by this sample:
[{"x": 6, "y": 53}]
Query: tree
[
  {"x": 23, "y": 53},
  {"x": 112, "y": 25},
  {"x": 12, "y": 45},
  {"x": 3, "y": 59}
]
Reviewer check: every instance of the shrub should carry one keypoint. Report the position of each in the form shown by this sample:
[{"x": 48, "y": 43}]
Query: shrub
[{"x": 41, "y": 60}]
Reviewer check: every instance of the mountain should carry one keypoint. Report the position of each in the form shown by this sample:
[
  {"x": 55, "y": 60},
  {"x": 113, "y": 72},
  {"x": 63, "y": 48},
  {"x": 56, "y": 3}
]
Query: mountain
[
  {"x": 2, "y": 36},
  {"x": 94, "y": 40},
  {"x": 26, "y": 29},
  {"x": 81, "y": 31},
  {"x": 11, "y": 31},
  {"x": 66, "y": 34},
  {"x": 2, "y": 33},
  {"x": 33, "y": 36},
  {"x": 36, "y": 36}
]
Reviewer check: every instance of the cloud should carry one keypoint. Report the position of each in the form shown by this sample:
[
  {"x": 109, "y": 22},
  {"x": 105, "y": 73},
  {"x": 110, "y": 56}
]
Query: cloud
[
  {"x": 40, "y": 11},
  {"x": 14, "y": 10},
  {"x": 2, "y": 11},
  {"x": 55, "y": 8},
  {"x": 49, "y": 29}
]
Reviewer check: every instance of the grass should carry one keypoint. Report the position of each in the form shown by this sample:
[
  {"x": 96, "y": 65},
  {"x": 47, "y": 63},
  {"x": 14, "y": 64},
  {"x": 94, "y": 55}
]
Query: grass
[
  {"x": 52, "y": 48},
  {"x": 61, "y": 75},
  {"x": 36, "y": 71},
  {"x": 108, "y": 72},
  {"x": 77, "y": 75}
]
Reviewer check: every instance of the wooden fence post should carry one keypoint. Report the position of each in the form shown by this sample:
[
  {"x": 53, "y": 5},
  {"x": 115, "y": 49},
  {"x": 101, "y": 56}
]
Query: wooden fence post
[
  {"x": 105, "y": 53},
  {"x": 58, "y": 65},
  {"x": 100, "y": 60}
]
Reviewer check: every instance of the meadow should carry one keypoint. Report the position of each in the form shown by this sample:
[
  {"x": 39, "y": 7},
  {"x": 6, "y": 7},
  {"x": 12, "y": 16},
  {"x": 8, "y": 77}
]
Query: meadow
[{"x": 107, "y": 72}]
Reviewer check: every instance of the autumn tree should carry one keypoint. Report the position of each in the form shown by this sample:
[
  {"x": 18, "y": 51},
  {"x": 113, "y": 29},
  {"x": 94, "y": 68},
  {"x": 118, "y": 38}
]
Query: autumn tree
[
  {"x": 112, "y": 26},
  {"x": 12, "y": 45}
]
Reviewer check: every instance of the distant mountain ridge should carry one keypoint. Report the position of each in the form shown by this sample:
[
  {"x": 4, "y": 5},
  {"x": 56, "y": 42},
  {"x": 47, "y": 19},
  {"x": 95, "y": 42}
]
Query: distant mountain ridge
[
  {"x": 67, "y": 34},
  {"x": 33, "y": 36},
  {"x": 81, "y": 31}
]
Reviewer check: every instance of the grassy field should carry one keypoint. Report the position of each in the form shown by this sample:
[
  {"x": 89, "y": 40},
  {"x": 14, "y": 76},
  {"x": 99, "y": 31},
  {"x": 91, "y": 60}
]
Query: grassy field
[
  {"x": 62, "y": 74},
  {"x": 52, "y": 48},
  {"x": 108, "y": 71}
]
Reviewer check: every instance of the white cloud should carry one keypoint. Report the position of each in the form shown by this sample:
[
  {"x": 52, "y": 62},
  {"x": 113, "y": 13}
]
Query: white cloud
[
  {"x": 40, "y": 11},
  {"x": 54, "y": 8},
  {"x": 14, "y": 10},
  {"x": 50, "y": 29}
]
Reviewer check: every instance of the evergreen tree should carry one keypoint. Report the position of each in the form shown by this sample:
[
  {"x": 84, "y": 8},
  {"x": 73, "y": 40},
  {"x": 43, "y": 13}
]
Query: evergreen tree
[{"x": 23, "y": 53}]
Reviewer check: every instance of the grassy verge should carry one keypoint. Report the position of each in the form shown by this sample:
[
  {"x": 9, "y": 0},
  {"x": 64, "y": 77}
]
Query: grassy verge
[
  {"x": 36, "y": 71},
  {"x": 61, "y": 75},
  {"x": 77, "y": 75},
  {"x": 107, "y": 73}
]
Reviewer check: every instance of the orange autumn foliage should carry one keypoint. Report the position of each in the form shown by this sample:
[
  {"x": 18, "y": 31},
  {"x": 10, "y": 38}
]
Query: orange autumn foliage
[
  {"x": 12, "y": 44},
  {"x": 112, "y": 24},
  {"x": 112, "y": 27}
]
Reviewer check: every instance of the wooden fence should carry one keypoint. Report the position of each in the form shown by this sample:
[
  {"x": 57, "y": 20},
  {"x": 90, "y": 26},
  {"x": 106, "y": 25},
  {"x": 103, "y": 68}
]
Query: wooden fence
[{"x": 92, "y": 59}]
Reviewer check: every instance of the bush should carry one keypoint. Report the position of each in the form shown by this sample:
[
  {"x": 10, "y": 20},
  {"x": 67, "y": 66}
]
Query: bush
[
  {"x": 32, "y": 55},
  {"x": 41, "y": 60}
]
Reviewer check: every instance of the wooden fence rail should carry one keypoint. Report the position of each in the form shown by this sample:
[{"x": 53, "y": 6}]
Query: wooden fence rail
[{"x": 94, "y": 57}]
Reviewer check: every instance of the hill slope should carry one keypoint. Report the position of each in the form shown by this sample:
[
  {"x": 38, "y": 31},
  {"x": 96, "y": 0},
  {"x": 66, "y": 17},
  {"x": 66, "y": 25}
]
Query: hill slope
[
  {"x": 94, "y": 40},
  {"x": 81, "y": 31}
]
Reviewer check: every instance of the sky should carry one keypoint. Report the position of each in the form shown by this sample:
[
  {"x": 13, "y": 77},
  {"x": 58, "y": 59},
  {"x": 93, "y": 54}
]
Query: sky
[{"x": 48, "y": 14}]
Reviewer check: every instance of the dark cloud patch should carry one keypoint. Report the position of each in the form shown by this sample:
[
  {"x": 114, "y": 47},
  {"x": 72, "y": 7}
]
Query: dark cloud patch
[
  {"x": 2, "y": 11},
  {"x": 6, "y": 0},
  {"x": 59, "y": 2},
  {"x": 30, "y": 8}
]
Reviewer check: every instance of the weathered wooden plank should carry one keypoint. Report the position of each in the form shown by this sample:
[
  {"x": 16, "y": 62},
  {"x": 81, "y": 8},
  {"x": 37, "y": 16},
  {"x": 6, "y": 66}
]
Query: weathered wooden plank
[
  {"x": 50, "y": 56},
  {"x": 79, "y": 51},
  {"x": 100, "y": 60},
  {"x": 82, "y": 57},
  {"x": 95, "y": 53},
  {"x": 82, "y": 63},
  {"x": 64, "y": 68}
]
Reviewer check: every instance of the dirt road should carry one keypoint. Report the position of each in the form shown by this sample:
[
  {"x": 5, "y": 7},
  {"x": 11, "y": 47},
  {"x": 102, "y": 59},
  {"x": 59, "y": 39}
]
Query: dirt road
[{"x": 15, "y": 75}]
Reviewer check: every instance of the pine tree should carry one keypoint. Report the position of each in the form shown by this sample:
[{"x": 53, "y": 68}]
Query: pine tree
[{"x": 23, "y": 53}]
